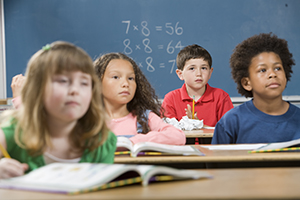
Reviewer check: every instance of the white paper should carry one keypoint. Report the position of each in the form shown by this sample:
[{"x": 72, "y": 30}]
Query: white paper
[{"x": 234, "y": 146}]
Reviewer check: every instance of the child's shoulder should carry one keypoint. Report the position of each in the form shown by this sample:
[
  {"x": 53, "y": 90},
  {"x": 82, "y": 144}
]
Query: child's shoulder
[
  {"x": 295, "y": 109},
  {"x": 216, "y": 90},
  {"x": 176, "y": 92}
]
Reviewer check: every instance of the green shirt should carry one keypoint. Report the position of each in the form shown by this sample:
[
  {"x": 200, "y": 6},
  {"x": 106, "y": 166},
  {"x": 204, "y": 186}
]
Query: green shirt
[{"x": 103, "y": 154}]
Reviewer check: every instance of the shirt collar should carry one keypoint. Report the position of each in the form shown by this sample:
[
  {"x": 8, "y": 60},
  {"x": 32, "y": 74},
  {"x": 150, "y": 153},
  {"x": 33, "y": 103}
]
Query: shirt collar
[{"x": 206, "y": 97}]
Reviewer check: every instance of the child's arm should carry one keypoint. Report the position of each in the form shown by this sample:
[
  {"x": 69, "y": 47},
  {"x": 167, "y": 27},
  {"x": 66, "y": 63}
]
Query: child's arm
[
  {"x": 16, "y": 87},
  {"x": 17, "y": 102},
  {"x": 161, "y": 132},
  {"x": 17, "y": 84},
  {"x": 10, "y": 167},
  {"x": 169, "y": 107},
  {"x": 221, "y": 136},
  {"x": 224, "y": 106}
]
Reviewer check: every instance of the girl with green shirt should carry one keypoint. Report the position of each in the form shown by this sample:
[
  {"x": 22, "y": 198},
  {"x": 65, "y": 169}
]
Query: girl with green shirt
[{"x": 60, "y": 119}]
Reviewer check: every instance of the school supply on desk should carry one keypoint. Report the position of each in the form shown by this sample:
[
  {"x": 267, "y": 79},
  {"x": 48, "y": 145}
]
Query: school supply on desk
[
  {"x": 5, "y": 107},
  {"x": 155, "y": 148},
  {"x": 233, "y": 146},
  {"x": 291, "y": 149},
  {"x": 4, "y": 152},
  {"x": 193, "y": 109},
  {"x": 278, "y": 146},
  {"x": 75, "y": 178}
]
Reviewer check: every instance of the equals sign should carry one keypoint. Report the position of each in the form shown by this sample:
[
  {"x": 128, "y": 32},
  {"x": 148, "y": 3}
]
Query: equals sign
[
  {"x": 162, "y": 65},
  {"x": 158, "y": 28},
  {"x": 160, "y": 46}
]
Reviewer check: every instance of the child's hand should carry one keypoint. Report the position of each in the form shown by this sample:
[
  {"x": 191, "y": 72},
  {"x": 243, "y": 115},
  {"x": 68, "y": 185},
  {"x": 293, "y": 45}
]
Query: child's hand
[
  {"x": 189, "y": 114},
  {"x": 17, "y": 84},
  {"x": 10, "y": 168}
]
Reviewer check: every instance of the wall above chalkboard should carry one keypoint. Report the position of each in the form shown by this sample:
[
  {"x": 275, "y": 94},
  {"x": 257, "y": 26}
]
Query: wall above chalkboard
[{"x": 152, "y": 32}]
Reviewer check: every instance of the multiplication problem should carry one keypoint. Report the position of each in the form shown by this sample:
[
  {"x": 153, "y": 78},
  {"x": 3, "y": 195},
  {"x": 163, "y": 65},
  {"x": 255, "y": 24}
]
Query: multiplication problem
[{"x": 145, "y": 44}]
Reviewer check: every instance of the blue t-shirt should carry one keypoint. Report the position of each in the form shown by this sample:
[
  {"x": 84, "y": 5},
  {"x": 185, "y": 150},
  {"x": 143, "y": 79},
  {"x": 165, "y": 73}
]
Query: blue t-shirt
[{"x": 247, "y": 124}]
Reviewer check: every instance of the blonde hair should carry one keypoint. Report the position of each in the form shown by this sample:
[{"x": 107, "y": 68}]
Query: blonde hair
[{"x": 31, "y": 127}]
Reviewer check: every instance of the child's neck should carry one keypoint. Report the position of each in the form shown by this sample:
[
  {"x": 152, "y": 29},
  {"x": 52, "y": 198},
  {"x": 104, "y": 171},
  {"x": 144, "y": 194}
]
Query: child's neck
[
  {"x": 60, "y": 129},
  {"x": 59, "y": 134},
  {"x": 115, "y": 112},
  {"x": 271, "y": 106},
  {"x": 197, "y": 94}
]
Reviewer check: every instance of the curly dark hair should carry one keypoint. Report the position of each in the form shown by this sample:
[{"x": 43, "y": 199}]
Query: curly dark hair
[
  {"x": 243, "y": 53},
  {"x": 145, "y": 97},
  {"x": 192, "y": 52}
]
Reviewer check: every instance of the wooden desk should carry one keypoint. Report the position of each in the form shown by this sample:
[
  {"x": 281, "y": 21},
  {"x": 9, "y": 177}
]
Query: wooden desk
[
  {"x": 263, "y": 183},
  {"x": 204, "y": 136},
  {"x": 201, "y": 133},
  {"x": 3, "y": 101},
  {"x": 218, "y": 158}
]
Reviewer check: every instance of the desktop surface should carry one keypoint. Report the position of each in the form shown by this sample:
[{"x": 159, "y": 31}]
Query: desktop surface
[
  {"x": 255, "y": 183},
  {"x": 218, "y": 158}
]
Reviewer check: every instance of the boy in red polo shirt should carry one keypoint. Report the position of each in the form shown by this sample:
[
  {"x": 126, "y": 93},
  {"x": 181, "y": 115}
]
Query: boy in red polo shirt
[{"x": 194, "y": 68}]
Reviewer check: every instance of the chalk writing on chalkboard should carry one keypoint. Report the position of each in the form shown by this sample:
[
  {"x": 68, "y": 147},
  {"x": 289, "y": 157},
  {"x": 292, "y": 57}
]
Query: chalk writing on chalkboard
[{"x": 146, "y": 46}]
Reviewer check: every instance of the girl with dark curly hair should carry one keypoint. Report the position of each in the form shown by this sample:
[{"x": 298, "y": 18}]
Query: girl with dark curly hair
[{"x": 131, "y": 102}]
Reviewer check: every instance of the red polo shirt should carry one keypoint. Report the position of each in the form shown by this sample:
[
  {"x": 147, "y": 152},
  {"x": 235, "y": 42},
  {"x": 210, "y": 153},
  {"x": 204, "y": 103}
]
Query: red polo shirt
[{"x": 213, "y": 104}]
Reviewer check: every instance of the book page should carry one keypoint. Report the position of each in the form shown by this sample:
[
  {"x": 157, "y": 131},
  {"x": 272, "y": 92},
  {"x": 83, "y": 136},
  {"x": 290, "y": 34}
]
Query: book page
[
  {"x": 65, "y": 177},
  {"x": 233, "y": 146},
  {"x": 279, "y": 145},
  {"x": 175, "y": 149},
  {"x": 124, "y": 142},
  {"x": 151, "y": 172},
  {"x": 76, "y": 178}
]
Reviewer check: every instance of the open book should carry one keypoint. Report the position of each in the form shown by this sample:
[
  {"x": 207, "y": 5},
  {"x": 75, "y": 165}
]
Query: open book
[
  {"x": 279, "y": 146},
  {"x": 74, "y": 178},
  {"x": 150, "y": 148}
]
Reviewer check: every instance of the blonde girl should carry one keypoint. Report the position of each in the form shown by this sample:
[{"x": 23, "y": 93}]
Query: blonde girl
[{"x": 60, "y": 119}]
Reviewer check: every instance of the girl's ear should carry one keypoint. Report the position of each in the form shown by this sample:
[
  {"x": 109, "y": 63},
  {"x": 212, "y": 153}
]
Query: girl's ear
[
  {"x": 179, "y": 74},
  {"x": 246, "y": 83}
]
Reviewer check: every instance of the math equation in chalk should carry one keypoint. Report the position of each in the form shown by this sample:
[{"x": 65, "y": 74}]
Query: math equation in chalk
[{"x": 144, "y": 44}]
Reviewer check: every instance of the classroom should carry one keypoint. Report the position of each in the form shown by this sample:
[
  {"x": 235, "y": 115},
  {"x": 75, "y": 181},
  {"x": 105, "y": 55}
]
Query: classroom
[{"x": 152, "y": 32}]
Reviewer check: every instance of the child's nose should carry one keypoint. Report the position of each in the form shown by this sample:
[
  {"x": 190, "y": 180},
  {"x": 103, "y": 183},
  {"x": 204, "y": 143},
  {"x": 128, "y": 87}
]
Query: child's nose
[
  {"x": 198, "y": 72},
  {"x": 125, "y": 83},
  {"x": 272, "y": 74},
  {"x": 73, "y": 89}
]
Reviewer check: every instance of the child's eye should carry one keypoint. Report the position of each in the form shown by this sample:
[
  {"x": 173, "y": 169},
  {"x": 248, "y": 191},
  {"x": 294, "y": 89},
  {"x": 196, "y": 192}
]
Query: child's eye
[
  {"x": 85, "y": 83},
  {"x": 278, "y": 68},
  {"x": 262, "y": 70},
  {"x": 191, "y": 68},
  {"x": 62, "y": 80},
  {"x": 204, "y": 68},
  {"x": 115, "y": 77},
  {"x": 131, "y": 78}
]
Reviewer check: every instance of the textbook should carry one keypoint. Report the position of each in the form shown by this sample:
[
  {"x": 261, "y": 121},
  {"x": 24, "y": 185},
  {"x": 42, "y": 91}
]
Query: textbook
[
  {"x": 279, "y": 147},
  {"x": 75, "y": 178},
  {"x": 152, "y": 148}
]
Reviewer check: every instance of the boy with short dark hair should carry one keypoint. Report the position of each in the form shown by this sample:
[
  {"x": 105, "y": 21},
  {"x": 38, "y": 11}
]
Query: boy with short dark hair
[
  {"x": 261, "y": 66},
  {"x": 194, "y": 68}
]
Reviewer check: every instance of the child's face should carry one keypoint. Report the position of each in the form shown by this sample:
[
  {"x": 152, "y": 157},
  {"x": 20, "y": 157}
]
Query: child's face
[
  {"x": 118, "y": 82},
  {"x": 195, "y": 73},
  {"x": 68, "y": 96},
  {"x": 266, "y": 76}
]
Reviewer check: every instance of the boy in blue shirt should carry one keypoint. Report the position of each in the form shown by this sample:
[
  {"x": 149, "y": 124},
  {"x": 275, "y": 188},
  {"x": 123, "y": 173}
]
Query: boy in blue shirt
[{"x": 261, "y": 66}]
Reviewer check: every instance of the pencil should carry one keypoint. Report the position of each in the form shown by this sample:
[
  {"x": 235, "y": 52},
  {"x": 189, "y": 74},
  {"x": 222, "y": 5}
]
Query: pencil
[
  {"x": 276, "y": 150},
  {"x": 150, "y": 153},
  {"x": 122, "y": 152},
  {"x": 4, "y": 152},
  {"x": 193, "y": 110}
]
